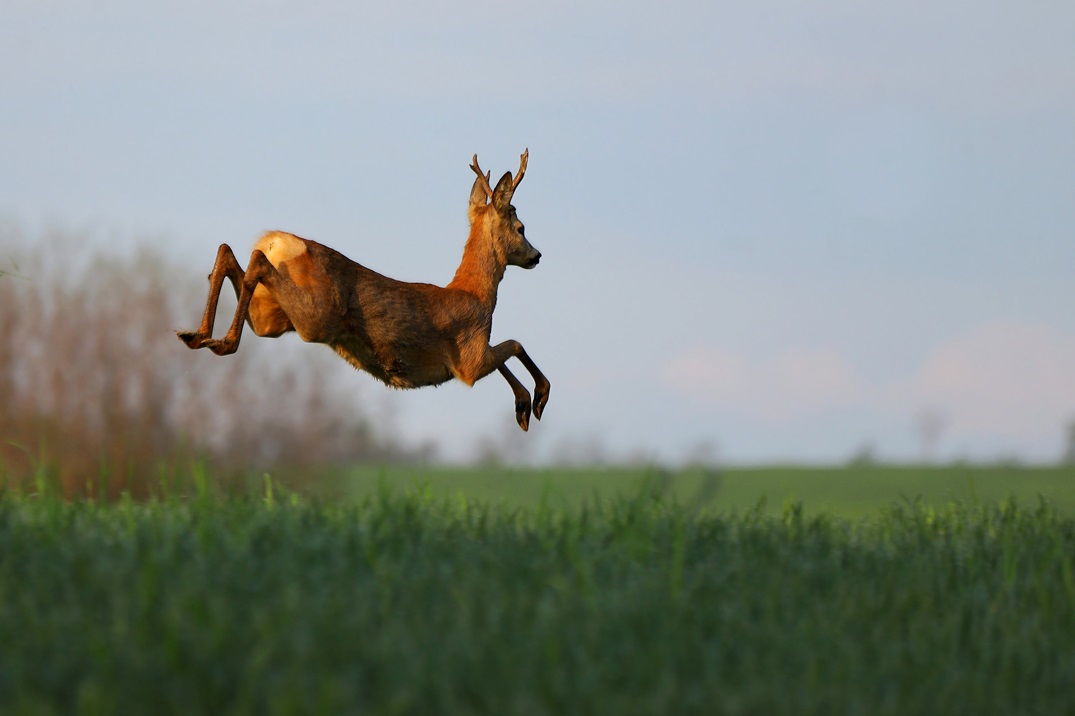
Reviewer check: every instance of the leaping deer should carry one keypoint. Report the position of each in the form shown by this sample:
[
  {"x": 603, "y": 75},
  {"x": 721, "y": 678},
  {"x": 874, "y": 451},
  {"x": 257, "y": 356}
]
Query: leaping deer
[{"x": 407, "y": 335}]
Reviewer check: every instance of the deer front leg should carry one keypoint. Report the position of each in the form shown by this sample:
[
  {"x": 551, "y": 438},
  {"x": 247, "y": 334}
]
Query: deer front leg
[
  {"x": 494, "y": 358},
  {"x": 225, "y": 267},
  {"x": 522, "y": 398},
  {"x": 541, "y": 383}
]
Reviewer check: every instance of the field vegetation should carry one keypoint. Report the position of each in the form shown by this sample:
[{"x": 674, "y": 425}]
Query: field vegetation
[
  {"x": 268, "y": 603},
  {"x": 852, "y": 491}
]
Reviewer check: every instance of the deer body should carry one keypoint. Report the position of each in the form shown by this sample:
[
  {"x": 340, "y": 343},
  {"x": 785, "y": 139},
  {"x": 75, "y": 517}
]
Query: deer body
[{"x": 407, "y": 335}]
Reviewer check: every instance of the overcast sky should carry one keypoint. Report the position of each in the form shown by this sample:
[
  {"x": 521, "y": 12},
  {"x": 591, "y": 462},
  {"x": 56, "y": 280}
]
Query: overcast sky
[{"x": 771, "y": 230}]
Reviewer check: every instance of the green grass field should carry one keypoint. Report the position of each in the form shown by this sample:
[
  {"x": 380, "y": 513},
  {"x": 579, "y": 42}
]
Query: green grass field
[
  {"x": 851, "y": 492},
  {"x": 440, "y": 601}
]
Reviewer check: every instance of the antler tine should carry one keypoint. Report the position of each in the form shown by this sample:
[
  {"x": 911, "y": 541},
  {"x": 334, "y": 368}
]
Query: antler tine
[
  {"x": 484, "y": 178},
  {"x": 522, "y": 169}
]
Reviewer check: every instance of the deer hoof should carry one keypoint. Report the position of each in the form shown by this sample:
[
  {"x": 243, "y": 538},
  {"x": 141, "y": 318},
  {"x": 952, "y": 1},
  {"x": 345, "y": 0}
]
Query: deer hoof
[
  {"x": 221, "y": 348},
  {"x": 522, "y": 414},
  {"x": 541, "y": 397},
  {"x": 193, "y": 339}
]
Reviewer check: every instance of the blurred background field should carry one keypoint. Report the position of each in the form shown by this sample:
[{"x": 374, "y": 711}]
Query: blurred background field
[{"x": 850, "y": 492}]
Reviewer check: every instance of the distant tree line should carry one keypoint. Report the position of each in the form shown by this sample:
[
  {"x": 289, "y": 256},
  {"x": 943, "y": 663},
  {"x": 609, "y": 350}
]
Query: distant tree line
[{"x": 95, "y": 388}]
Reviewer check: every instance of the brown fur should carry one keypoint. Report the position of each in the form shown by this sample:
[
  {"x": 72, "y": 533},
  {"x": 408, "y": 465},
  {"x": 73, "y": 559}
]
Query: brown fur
[{"x": 407, "y": 335}]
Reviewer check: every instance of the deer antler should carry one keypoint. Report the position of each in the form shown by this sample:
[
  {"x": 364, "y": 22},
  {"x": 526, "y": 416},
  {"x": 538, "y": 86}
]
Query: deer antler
[
  {"x": 522, "y": 169},
  {"x": 483, "y": 177}
]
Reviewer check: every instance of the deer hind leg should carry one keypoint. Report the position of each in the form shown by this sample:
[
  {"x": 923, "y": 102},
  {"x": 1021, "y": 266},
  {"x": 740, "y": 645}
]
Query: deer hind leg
[
  {"x": 226, "y": 267},
  {"x": 258, "y": 271}
]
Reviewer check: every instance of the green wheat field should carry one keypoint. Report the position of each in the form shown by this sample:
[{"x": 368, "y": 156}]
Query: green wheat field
[{"x": 872, "y": 590}]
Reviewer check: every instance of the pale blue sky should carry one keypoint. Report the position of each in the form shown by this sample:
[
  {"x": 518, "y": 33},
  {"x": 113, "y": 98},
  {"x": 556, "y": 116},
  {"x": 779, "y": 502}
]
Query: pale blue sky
[{"x": 782, "y": 228}]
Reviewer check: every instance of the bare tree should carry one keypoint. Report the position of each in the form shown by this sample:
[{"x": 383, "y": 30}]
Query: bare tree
[{"x": 94, "y": 388}]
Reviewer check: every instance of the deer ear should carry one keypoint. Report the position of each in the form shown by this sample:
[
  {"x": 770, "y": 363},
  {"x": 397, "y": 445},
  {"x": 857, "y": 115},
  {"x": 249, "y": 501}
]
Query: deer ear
[
  {"x": 504, "y": 190},
  {"x": 478, "y": 194}
]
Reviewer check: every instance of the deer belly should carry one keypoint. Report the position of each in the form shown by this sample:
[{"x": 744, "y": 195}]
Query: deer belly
[
  {"x": 396, "y": 371},
  {"x": 418, "y": 376}
]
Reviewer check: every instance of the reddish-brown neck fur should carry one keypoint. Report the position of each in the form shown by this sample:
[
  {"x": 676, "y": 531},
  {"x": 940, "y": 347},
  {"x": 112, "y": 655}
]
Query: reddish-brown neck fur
[{"x": 481, "y": 270}]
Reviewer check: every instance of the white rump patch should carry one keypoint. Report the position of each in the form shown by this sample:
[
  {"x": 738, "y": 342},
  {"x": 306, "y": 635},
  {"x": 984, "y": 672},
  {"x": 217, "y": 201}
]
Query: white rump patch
[{"x": 279, "y": 247}]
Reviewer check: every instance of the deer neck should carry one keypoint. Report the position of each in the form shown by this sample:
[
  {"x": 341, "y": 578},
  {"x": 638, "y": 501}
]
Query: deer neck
[{"x": 482, "y": 269}]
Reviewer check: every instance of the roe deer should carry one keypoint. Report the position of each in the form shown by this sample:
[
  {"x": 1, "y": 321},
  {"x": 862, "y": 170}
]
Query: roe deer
[{"x": 407, "y": 335}]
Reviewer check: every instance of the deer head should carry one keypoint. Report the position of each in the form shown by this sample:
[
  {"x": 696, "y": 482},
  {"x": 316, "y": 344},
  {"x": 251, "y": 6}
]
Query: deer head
[{"x": 492, "y": 208}]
